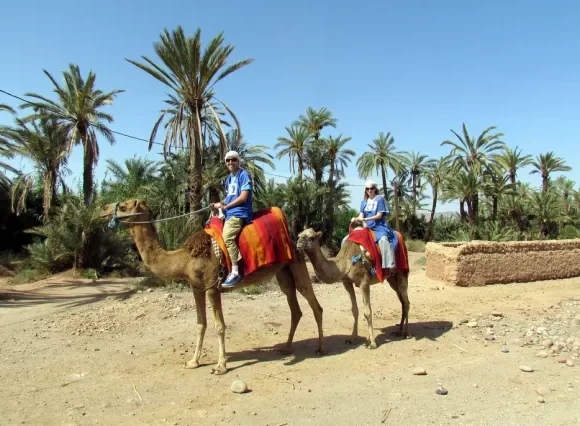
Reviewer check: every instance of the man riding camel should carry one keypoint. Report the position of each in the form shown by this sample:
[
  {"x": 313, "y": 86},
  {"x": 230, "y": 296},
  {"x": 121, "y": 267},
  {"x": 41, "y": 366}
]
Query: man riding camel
[{"x": 237, "y": 207}]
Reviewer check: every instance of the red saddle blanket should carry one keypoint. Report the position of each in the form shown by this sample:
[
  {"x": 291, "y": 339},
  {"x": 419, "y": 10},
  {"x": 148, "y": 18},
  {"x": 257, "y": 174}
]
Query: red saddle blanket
[
  {"x": 262, "y": 243},
  {"x": 366, "y": 238}
]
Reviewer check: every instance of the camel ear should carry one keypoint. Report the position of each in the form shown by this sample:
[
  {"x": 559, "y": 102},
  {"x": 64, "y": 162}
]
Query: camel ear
[
  {"x": 142, "y": 204},
  {"x": 317, "y": 235}
]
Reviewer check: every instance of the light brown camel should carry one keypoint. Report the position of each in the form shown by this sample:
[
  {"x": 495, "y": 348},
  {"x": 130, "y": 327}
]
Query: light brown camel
[
  {"x": 197, "y": 263},
  {"x": 341, "y": 268}
]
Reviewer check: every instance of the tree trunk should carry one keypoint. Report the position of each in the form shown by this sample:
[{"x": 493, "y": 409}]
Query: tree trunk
[
  {"x": 513, "y": 178},
  {"x": 329, "y": 225},
  {"x": 49, "y": 194},
  {"x": 462, "y": 210},
  {"x": 396, "y": 190},
  {"x": 544, "y": 183},
  {"x": 88, "y": 162},
  {"x": 384, "y": 176},
  {"x": 494, "y": 208},
  {"x": 432, "y": 216},
  {"x": 195, "y": 175},
  {"x": 414, "y": 192}
]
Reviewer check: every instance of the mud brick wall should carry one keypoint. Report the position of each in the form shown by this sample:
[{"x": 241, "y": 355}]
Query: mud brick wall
[{"x": 478, "y": 263}]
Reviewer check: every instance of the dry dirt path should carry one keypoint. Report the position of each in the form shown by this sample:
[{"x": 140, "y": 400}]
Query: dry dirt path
[{"x": 78, "y": 352}]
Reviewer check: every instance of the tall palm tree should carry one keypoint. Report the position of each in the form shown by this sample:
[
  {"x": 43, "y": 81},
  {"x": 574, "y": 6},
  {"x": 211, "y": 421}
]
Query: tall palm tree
[
  {"x": 548, "y": 163},
  {"x": 316, "y": 120},
  {"x": 381, "y": 156},
  {"x": 565, "y": 188},
  {"x": 436, "y": 174},
  {"x": 134, "y": 179},
  {"x": 6, "y": 148},
  {"x": 192, "y": 75},
  {"x": 44, "y": 143},
  {"x": 338, "y": 158},
  {"x": 417, "y": 164},
  {"x": 473, "y": 155},
  {"x": 294, "y": 146},
  {"x": 79, "y": 108},
  {"x": 511, "y": 160}
]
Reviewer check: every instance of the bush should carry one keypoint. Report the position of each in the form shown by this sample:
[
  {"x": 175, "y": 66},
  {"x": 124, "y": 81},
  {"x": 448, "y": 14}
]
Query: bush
[
  {"x": 415, "y": 245},
  {"x": 76, "y": 237}
]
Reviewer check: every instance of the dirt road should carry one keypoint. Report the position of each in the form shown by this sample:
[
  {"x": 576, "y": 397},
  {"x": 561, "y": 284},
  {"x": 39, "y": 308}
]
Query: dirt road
[{"x": 78, "y": 352}]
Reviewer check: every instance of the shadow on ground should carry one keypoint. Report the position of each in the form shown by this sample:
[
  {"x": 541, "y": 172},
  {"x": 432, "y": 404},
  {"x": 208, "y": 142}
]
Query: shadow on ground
[{"x": 56, "y": 293}]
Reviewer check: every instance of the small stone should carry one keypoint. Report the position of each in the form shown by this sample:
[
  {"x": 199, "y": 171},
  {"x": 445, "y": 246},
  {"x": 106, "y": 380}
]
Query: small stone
[
  {"x": 463, "y": 321},
  {"x": 570, "y": 340},
  {"x": 475, "y": 385},
  {"x": 562, "y": 361},
  {"x": 542, "y": 354},
  {"x": 168, "y": 296},
  {"x": 472, "y": 324},
  {"x": 505, "y": 350},
  {"x": 547, "y": 343},
  {"x": 526, "y": 368},
  {"x": 149, "y": 290},
  {"x": 441, "y": 390},
  {"x": 542, "y": 390},
  {"x": 570, "y": 363},
  {"x": 541, "y": 399},
  {"x": 419, "y": 371},
  {"x": 497, "y": 314},
  {"x": 552, "y": 387},
  {"x": 239, "y": 386},
  {"x": 96, "y": 349}
]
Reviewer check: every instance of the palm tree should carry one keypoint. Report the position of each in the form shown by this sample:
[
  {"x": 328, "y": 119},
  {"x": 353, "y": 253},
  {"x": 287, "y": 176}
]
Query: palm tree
[
  {"x": 381, "y": 156},
  {"x": 436, "y": 174},
  {"x": 6, "y": 148},
  {"x": 511, "y": 160},
  {"x": 473, "y": 156},
  {"x": 294, "y": 146},
  {"x": 44, "y": 143},
  {"x": 316, "y": 120},
  {"x": 79, "y": 109},
  {"x": 134, "y": 180},
  {"x": 338, "y": 158},
  {"x": 191, "y": 74},
  {"x": 417, "y": 164},
  {"x": 545, "y": 164}
]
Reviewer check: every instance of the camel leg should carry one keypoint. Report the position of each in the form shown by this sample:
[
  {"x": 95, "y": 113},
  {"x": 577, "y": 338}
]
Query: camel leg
[
  {"x": 215, "y": 300},
  {"x": 199, "y": 297},
  {"x": 366, "y": 293},
  {"x": 286, "y": 283},
  {"x": 348, "y": 286},
  {"x": 304, "y": 286},
  {"x": 399, "y": 283},
  {"x": 404, "y": 298}
]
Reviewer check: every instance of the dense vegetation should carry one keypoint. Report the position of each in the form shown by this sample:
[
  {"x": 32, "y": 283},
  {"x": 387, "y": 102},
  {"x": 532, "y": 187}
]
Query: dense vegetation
[{"x": 57, "y": 227}]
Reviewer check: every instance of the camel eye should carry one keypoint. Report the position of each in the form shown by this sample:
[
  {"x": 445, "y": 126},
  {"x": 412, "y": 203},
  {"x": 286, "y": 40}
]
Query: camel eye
[{"x": 122, "y": 208}]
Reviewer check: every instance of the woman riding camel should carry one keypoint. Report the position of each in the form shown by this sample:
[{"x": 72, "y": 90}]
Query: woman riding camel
[{"x": 373, "y": 214}]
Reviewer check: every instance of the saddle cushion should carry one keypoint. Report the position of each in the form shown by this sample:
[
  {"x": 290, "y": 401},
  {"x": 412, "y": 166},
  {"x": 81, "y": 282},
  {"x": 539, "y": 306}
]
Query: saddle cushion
[
  {"x": 366, "y": 238},
  {"x": 264, "y": 242}
]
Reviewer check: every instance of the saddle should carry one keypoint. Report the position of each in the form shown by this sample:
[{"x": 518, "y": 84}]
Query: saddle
[
  {"x": 264, "y": 242},
  {"x": 365, "y": 238}
]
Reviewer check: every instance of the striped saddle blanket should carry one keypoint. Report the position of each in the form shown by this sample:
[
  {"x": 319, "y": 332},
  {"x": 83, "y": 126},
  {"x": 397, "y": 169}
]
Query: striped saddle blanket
[{"x": 263, "y": 242}]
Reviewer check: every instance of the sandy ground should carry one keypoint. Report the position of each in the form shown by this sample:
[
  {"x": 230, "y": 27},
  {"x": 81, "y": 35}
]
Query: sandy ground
[{"x": 83, "y": 352}]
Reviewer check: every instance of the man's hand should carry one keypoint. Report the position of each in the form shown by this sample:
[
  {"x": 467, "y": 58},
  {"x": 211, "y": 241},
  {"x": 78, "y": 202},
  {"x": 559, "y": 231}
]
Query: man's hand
[{"x": 216, "y": 206}]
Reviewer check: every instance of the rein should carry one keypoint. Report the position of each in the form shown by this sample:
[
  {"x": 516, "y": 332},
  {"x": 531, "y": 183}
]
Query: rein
[{"x": 116, "y": 220}]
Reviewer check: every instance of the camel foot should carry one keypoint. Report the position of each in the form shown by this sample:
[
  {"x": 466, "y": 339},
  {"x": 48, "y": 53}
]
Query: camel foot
[
  {"x": 404, "y": 334},
  {"x": 321, "y": 351},
  {"x": 218, "y": 370},
  {"x": 372, "y": 345},
  {"x": 191, "y": 364},
  {"x": 351, "y": 341}
]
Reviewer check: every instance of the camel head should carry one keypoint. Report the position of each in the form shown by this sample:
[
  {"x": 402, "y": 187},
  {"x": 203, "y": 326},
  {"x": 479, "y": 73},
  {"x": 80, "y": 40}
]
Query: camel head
[
  {"x": 136, "y": 209},
  {"x": 306, "y": 238}
]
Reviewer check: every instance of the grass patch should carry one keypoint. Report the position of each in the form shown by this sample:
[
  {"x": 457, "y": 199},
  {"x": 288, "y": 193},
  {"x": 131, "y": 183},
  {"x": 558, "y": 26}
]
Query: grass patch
[
  {"x": 27, "y": 275},
  {"x": 417, "y": 246},
  {"x": 422, "y": 261}
]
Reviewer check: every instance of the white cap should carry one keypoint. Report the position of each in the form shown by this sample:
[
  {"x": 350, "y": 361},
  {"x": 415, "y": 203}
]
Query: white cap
[
  {"x": 232, "y": 154},
  {"x": 370, "y": 184}
]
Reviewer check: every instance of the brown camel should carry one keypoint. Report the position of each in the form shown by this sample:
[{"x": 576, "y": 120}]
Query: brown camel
[
  {"x": 197, "y": 263},
  {"x": 341, "y": 268}
]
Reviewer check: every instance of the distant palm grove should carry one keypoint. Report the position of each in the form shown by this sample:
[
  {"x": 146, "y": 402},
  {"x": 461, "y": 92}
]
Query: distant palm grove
[{"x": 52, "y": 227}]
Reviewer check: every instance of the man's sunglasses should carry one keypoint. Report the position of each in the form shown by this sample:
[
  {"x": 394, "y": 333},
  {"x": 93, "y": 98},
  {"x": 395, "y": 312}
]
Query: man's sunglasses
[{"x": 230, "y": 160}]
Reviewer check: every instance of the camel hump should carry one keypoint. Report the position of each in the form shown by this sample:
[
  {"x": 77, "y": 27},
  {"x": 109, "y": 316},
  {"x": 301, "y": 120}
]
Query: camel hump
[{"x": 264, "y": 242}]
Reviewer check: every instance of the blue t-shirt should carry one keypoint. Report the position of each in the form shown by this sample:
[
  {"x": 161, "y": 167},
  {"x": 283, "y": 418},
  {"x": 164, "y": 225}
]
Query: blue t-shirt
[
  {"x": 371, "y": 208},
  {"x": 235, "y": 184}
]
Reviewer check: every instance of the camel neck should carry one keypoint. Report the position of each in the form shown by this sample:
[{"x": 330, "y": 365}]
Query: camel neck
[{"x": 326, "y": 269}]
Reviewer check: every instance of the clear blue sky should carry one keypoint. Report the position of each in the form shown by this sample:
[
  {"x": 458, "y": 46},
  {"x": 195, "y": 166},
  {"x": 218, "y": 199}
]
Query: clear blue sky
[{"x": 416, "y": 68}]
